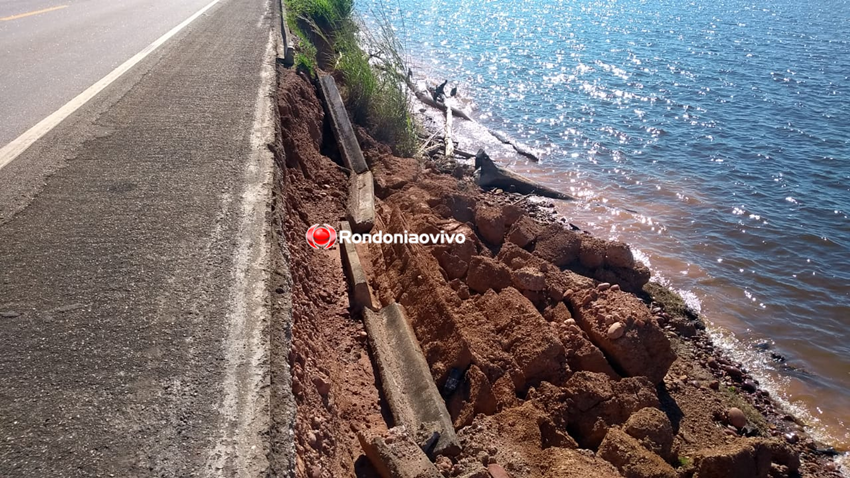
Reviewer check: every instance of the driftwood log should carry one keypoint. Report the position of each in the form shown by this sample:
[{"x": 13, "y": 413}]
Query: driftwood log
[
  {"x": 518, "y": 147},
  {"x": 492, "y": 176}
]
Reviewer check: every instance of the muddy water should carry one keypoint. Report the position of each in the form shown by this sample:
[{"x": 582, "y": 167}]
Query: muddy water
[{"x": 711, "y": 135}]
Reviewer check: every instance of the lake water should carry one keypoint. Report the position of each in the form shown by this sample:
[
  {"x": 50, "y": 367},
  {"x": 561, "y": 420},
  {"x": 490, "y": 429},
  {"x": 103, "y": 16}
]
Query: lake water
[{"x": 713, "y": 135}]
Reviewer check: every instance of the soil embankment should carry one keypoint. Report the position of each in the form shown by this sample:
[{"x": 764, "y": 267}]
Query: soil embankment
[{"x": 569, "y": 362}]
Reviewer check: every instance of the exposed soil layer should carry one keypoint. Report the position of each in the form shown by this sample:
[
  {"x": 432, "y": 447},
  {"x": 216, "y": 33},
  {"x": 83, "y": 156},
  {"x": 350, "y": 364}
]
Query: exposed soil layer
[
  {"x": 333, "y": 381},
  {"x": 571, "y": 364}
]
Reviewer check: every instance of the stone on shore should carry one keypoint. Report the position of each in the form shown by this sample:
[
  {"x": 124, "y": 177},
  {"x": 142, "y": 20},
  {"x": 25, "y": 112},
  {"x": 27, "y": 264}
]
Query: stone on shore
[
  {"x": 637, "y": 346},
  {"x": 558, "y": 245}
]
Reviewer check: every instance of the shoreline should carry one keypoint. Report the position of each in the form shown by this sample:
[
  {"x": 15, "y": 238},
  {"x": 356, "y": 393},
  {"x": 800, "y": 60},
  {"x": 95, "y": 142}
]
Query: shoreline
[
  {"x": 589, "y": 324},
  {"x": 691, "y": 380},
  {"x": 770, "y": 366}
]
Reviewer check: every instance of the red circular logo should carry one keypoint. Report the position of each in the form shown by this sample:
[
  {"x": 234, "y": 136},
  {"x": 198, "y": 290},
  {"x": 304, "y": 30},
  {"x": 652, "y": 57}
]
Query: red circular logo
[{"x": 321, "y": 236}]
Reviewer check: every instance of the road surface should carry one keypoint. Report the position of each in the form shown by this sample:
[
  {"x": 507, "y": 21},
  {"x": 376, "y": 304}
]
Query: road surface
[{"x": 133, "y": 239}]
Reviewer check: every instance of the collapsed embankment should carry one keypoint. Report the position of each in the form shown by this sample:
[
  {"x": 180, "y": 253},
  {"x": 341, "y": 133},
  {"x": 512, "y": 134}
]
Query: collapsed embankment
[{"x": 553, "y": 354}]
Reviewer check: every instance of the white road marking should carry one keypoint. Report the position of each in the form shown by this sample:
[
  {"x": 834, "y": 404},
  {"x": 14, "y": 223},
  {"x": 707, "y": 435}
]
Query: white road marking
[{"x": 20, "y": 144}]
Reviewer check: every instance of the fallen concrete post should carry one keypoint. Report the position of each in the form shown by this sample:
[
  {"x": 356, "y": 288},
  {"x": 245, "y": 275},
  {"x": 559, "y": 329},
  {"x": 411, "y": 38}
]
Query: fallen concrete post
[
  {"x": 360, "y": 210},
  {"x": 361, "y": 296},
  {"x": 408, "y": 385},
  {"x": 349, "y": 148},
  {"x": 400, "y": 458}
]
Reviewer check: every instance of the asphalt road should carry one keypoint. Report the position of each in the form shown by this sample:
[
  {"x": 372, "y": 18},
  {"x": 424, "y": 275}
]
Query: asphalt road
[
  {"x": 133, "y": 240},
  {"x": 51, "y": 56}
]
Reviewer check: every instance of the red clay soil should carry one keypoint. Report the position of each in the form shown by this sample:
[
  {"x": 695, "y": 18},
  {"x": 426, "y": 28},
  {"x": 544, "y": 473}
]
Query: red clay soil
[
  {"x": 332, "y": 376},
  {"x": 565, "y": 371}
]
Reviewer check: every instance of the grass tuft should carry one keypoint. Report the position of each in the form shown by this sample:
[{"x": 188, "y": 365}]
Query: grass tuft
[{"x": 373, "y": 82}]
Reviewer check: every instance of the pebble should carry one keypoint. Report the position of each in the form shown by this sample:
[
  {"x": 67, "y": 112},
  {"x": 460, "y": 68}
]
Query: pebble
[
  {"x": 616, "y": 331},
  {"x": 736, "y": 417},
  {"x": 9, "y": 314},
  {"x": 749, "y": 386},
  {"x": 792, "y": 438},
  {"x": 615, "y": 287},
  {"x": 603, "y": 286}
]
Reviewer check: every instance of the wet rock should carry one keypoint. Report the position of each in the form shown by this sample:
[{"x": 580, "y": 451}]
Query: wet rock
[
  {"x": 558, "y": 245},
  {"x": 651, "y": 427},
  {"x": 485, "y": 273},
  {"x": 491, "y": 224},
  {"x": 528, "y": 278},
  {"x": 631, "y": 458},
  {"x": 592, "y": 252},
  {"x": 619, "y": 254}
]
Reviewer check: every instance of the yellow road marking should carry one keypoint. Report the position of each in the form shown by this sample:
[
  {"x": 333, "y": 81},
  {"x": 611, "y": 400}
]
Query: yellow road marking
[{"x": 22, "y": 15}]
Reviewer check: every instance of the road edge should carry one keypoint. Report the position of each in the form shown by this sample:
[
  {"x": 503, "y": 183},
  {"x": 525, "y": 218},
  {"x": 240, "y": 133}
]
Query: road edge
[{"x": 243, "y": 447}]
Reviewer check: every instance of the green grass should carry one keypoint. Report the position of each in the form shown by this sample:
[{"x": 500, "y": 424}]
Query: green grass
[
  {"x": 684, "y": 461},
  {"x": 373, "y": 87}
]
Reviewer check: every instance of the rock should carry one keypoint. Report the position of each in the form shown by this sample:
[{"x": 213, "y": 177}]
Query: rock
[
  {"x": 496, "y": 471},
  {"x": 524, "y": 231},
  {"x": 616, "y": 330},
  {"x": 619, "y": 254},
  {"x": 736, "y": 418},
  {"x": 525, "y": 334},
  {"x": 491, "y": 224},
  {"x": 9, "y": 314},
  {"x": 632, "y": 459},
  {"x": 558, "y": 245},
  {"x": 744, "y": 458},
  {"x": 592, "y": 252},
  {"x": 396, "y": 454},
  {"x": 651, "y": 427},
  {"x": 454, "y": 266},
  {"x": 485, "y": 273},
  {"x": 475, "y": 396},
  {"x": 637, "y": 351},
  {"x": 603, "y": 286},
  {"x": 527, "y": 278},
  {"x": 590, "y": 403},
  {"x": 581, "y": 353},
  {"x": 512, "y": 213}
]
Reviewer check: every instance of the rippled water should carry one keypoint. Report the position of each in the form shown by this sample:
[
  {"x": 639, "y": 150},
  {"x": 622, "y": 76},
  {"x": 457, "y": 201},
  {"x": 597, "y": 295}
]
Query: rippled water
[{"x": 713, "y": 135}]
